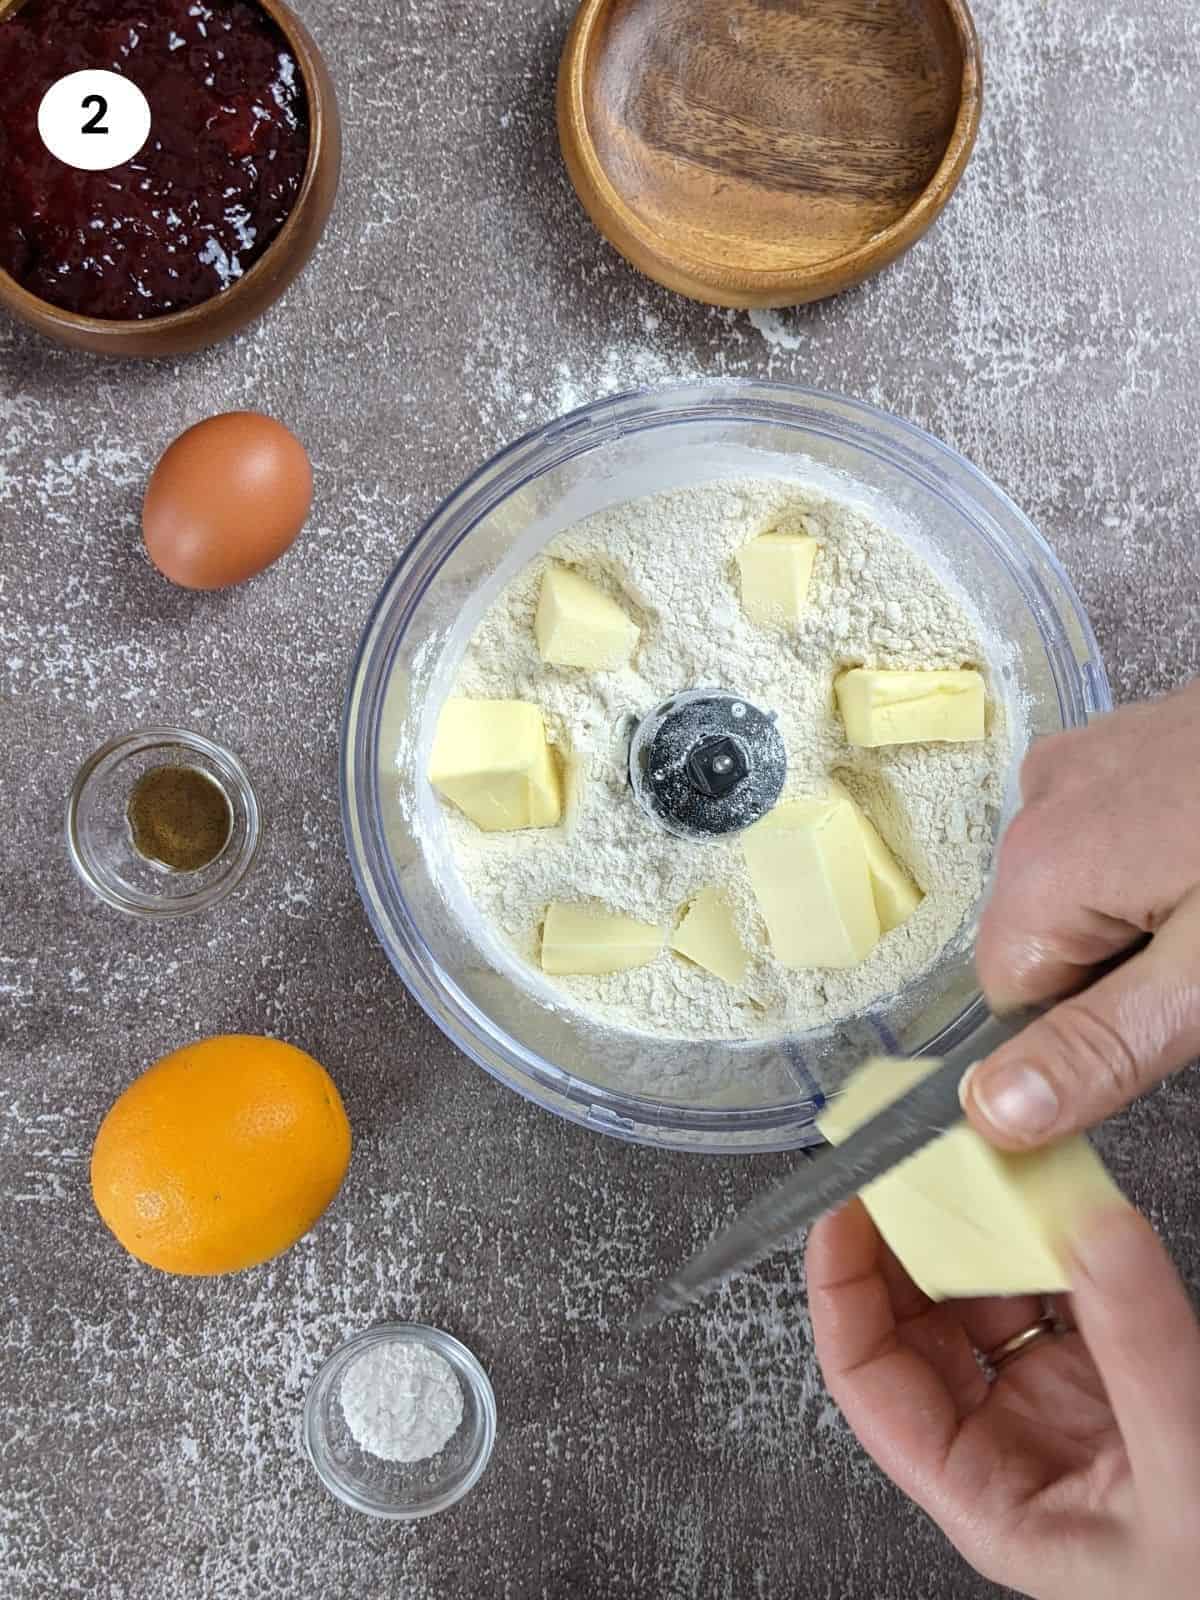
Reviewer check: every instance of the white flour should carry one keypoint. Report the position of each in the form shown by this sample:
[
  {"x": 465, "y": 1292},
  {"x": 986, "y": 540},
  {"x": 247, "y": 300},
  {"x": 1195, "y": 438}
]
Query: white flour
[
  {"x": 668, "y": 559},
  {"x": 402, "y": 1402}
]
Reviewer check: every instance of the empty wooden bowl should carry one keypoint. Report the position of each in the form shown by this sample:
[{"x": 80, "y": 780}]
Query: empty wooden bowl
[
  {"x": 767, "y": 152},
  {"x": 224, "y": 314}
]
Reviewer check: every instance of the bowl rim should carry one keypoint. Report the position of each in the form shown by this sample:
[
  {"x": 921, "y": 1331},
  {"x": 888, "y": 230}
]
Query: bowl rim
[
  {"x": 812, "y": 280},
  {"x": 637, "y": 1118},
  {"x": 466, "y": 1366},
  {"x": 321, "y": 113}
]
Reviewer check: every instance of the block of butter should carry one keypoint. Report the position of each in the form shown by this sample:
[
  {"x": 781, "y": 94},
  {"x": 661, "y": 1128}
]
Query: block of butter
[
  {"x": 585, "y": 939},
  {"x": 491, "y": 758},
  {"x": 965, "y": 1219},
  {"x": 708, "y": 936},
  {"x": 808, "y": 866},
  {"x": 776, "y": 569},
  {"x": 896, "y": 895},
  {"x": 911, "y": 707},
  {"x": 578, "y": 625}
]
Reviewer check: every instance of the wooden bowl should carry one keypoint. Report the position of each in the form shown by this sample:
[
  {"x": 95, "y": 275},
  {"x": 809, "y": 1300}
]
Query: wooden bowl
[
  {"x": 767, "y": 152},
  {"x": 213, "y": 320}
]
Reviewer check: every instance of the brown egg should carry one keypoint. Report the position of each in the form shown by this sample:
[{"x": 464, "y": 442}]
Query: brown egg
[{"x": 225, "y": 500}]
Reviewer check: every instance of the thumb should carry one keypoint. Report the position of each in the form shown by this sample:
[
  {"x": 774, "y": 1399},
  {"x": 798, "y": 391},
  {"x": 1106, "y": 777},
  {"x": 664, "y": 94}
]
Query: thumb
[
  {"x": 1141, "y": 1331},
  {"x": 1097, "y": 1051}
]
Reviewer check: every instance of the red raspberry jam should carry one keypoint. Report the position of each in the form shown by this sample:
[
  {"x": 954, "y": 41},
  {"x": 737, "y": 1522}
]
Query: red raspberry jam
[{"x": 208, "y": 191}]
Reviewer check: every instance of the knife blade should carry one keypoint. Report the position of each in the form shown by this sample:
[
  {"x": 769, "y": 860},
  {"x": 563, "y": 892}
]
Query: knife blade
[{"x": 834, "y": 1176}]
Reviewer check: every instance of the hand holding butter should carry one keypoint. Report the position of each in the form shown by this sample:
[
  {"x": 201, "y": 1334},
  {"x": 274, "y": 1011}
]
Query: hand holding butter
[
  {"x": 1076, "y": 1471},
  {"x": 964, "y": 1219},
  {"x": 1072, "y": 1473}
]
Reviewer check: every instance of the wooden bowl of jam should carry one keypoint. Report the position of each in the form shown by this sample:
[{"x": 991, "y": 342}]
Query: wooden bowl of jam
[{"x": 205, "y": 227}]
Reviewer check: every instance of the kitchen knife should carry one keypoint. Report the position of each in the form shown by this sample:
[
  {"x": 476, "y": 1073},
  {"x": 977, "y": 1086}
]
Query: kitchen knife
[{"x": 834, "y": 1176}]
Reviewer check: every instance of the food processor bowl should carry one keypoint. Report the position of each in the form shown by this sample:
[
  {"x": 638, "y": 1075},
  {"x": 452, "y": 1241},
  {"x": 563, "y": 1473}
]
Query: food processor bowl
[{"x": 743, "y": 1095}]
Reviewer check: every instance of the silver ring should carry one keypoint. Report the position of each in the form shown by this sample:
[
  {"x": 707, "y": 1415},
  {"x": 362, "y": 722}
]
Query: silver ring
[{"x": 1020, "y": 1344}]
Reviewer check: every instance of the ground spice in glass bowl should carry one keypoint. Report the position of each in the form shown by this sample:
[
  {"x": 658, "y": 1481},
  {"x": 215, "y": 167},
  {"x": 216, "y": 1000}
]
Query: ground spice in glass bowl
[
  {"x": 162, "y": 822},
  {"x": 180, "y": 817}
]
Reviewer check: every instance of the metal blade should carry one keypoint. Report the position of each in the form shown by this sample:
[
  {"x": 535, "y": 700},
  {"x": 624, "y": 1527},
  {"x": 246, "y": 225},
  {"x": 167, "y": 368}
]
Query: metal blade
[{"x": 833, "y": 1176}]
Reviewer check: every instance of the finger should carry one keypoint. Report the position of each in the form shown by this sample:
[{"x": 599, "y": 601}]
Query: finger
[
  {"x": 980, "y": 1324},
  {"x": 1142, "y": 1333},
  {"x": 1098, "y": 1050},
  {"x": 1060, "y": 1307},
  {"x": 1017, "y": 967},
  {"x": 989, "y": 1323},
  {"x": 908, "y": 1302},
  {"x": 939, "y": 1339},
  {"x": 893, "y": 1398},
  {"x": 935, "y": 1332},
  {"x": 1036, "y": 941},
  {"x": 848, "y": 1295}
]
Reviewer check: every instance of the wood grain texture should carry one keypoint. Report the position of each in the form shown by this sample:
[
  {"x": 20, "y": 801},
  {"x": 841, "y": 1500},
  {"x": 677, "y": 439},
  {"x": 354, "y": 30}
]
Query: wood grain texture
[
  {"x": 197, "y": 327},
  {"x": 767, "y": 152}
]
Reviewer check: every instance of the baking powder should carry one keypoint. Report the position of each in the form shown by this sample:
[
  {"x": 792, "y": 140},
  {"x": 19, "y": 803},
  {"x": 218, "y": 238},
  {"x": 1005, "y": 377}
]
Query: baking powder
[{"x": 402, "y": 1402}]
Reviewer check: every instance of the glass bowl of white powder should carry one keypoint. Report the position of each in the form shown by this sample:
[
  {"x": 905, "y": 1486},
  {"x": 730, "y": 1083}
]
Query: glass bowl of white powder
[
  {"x": 400, "y": 1421},
  {"x": 937, "y": 566}
]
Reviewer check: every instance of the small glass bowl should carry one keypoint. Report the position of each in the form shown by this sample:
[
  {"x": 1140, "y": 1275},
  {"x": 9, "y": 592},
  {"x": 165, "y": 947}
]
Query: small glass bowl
[
  {"x": 101, "y": 842},
  {"x": 402, "y": 1490}
]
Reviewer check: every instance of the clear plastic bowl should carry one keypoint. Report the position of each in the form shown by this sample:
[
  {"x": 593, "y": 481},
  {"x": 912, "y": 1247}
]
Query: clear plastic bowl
[{"x": 744, "y": 1096}]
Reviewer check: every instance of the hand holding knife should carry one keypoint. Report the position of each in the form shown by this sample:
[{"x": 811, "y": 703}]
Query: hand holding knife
[{"x": 833, "y": 1176}]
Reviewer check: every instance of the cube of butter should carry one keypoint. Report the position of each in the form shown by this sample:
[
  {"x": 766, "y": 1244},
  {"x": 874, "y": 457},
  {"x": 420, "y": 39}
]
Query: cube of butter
[
  {"x": 708, "y": 936},
  {"x": 491, "y": 758},
  {"x": 578, "y": 625},
  {"x": 584, "y": 939},
  {"x": 776, "y": 569},
  {"x": 911, "y": 707},
  {"x": 896, "y": 895},
  {"x": 963, "y": 1218},
  {"x": 808, "y": 866}
]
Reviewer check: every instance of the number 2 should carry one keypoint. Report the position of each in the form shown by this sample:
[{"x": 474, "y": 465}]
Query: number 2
[{"x": 95, "y": 123}]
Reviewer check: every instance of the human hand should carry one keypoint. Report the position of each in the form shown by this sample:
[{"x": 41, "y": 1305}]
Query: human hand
[
  {"x": 1075, "y": 1472},
  {"x": 1105, "y": 850}
]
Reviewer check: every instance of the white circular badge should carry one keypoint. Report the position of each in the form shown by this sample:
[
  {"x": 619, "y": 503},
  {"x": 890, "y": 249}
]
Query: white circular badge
[{"x": 94, "y": 120}]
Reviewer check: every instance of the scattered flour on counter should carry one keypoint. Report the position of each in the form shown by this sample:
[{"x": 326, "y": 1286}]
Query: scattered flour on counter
[
  {"x": 517, "y": 389},
  {"x": 669, "y": 561},
  {"x": 616, "y": 369},
  {"x": 771, "y": 325}
]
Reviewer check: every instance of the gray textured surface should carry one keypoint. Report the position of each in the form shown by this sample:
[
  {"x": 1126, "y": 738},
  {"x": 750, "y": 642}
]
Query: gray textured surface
[{"x": 150, "y": 1439}]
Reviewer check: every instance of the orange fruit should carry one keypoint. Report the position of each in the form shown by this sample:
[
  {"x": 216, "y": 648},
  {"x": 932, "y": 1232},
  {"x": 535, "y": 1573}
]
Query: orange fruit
[{"x": 220, "y": 1155}]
